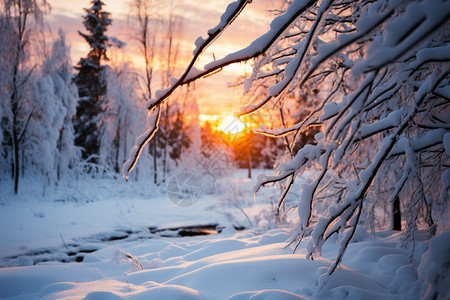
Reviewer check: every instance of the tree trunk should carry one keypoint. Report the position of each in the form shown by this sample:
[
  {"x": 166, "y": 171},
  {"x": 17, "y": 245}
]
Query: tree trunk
[
  {"x": 155, "y": 165},
  {"x": 117, "y": 145},
  {"x": 16, "y": 160},
  {"x": 166, "y": 140},
  {"x": 58, "y": 162},
  {"x": 396, "y": 215}
]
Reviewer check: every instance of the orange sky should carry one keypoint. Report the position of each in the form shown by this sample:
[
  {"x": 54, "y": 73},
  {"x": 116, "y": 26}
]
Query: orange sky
[{"x": 213, "y": 95}]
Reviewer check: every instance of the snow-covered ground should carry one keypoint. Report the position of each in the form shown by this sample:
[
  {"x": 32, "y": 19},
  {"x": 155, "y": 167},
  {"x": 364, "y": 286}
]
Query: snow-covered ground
[
  {"x": 37, "y": 220},
  {"x": 99, "y": 207},
  {"x": 251, "y": 264}
]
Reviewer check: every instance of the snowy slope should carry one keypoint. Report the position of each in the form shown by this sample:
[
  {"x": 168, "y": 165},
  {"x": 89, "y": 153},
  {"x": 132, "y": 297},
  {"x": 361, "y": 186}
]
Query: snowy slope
[
  {"x": 236, "y": 265},
  {"x": 101, "y": 208},
  {"x": 255, "y": 263}
]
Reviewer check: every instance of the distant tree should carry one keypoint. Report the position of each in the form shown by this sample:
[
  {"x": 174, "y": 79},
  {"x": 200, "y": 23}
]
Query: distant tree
[
  {"x": 382, "y": 69},
  {"x": 171, "y": 48},
  {"x": 151, "y": 23},
  {"x": 50, "y": 140},
  {"x": 20, "y": 20},
  {"x": 59, "y": 65},
  {"x": 90, "y": 79},
  {"x": 215, "y": 159},
  {"x": 146, "y": 29},
  {"x": 1, "y": 140},
  {"x": 178, "y": 139},
  {"x": 4, "y": 58},
  {"x": 120, "y": 122}
]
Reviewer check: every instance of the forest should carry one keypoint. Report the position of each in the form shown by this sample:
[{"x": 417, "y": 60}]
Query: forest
[{"x": 215, "y": 151}]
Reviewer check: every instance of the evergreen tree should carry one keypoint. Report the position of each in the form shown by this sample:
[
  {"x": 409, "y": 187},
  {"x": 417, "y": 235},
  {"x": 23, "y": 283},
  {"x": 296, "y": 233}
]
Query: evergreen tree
[
  {"x": 90, "y": 78},
  {"x": 178, "y": 138}
]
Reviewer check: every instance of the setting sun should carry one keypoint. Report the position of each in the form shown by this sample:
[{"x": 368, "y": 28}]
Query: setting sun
[
  {"x": 231, "y": 125},
  {"x": 226, "y": 124}
]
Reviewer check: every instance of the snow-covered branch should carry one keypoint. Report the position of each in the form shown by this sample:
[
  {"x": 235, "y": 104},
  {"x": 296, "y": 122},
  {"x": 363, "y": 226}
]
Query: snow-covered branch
[
  {"x": 369, "y": 118},
  {"x": 141, "y": 141},
  {"x": 373, "y": 76}
]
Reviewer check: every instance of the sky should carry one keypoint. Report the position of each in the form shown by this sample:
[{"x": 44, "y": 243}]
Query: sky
[{"x": 212, "y": 93}]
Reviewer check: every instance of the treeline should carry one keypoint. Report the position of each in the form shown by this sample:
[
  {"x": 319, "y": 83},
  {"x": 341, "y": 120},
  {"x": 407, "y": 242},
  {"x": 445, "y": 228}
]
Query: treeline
[{"x": 59, "y": 120}]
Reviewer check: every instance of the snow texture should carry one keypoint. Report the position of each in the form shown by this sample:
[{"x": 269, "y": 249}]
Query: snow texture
[
  {"x": 230, "y": 265},
  {"x": 277, "y": 26}
]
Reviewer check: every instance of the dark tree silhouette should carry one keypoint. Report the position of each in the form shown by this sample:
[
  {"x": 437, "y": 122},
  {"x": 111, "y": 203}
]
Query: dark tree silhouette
[{"x": 91, "y": 79}]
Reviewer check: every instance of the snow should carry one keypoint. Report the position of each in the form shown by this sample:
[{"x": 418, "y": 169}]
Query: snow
[
  {"x": 420, "y": 18},
  {"x": 434, "y": 267},
  {"x": 198, "y": 43},
  {"x": 391, "y": 121},
  {"x": 158, "y": 95},
  {"x": 125, "y": 235},
  {"x": 29, "y": 224},
  {"x": 431, "y": 138},
  {"x": 141, "y": 141},
  {"x": 225, "y": 20},
  {"x": 250, "y": 264},
  {"x": 432, "y": 54},
  {"x": 447, "y": 143},
  {"x": 193, "y": 72},
  {"x": 258, "y": 265},
  {"x": 277, "y": 26},
  {"x": 329, "y": 110}
]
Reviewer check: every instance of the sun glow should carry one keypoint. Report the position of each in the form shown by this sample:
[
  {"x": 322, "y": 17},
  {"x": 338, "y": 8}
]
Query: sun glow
[
  {"x": 231, "y": 125},
  {"x": 225, "y": 123}
]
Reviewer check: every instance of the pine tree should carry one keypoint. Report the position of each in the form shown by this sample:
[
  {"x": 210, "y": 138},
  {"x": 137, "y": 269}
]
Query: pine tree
[
  {"x": 178, "y": 138},
  {"x": 90, "y": 78}
]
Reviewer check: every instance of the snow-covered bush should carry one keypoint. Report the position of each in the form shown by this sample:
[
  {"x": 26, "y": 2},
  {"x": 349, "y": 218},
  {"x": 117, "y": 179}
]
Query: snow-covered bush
[
  {"x": 382, "y": 75},
  {"x": 433, "y": 269}
]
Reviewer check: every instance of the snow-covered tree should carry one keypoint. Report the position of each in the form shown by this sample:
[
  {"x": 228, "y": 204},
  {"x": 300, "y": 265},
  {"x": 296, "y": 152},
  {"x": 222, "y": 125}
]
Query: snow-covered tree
[
  {"x": 60, "y": 67},
  {"x": 20, "y": 20},
  {"x": 382, "y": 72},
  {"x": 146, "y": 29},
  {"x": 91, "y": 79},
  {"x": 122, "y": 105},
  {"x": 50, "y": 140},
  {"x": 3, "y": 89}
]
